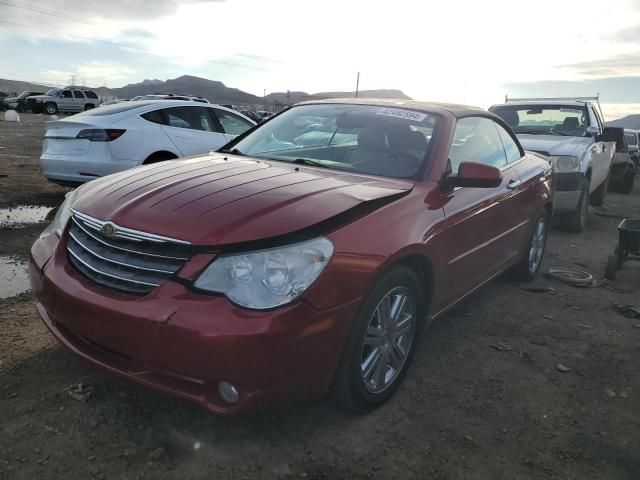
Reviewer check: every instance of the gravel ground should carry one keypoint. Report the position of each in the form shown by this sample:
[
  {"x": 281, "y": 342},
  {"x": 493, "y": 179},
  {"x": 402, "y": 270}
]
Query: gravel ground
[{"x": 512, "y": 384}]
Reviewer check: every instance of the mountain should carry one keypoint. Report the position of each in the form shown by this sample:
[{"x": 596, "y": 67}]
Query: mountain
[
  {"x": 18, "y": 86},
  {"x": 630, "y": 121},
  {"x": 295, "y": 97},
  {"x": 215, "y": 91},
  {"x": 283, "y": 98},
  {"x": 386, "y": 94}
]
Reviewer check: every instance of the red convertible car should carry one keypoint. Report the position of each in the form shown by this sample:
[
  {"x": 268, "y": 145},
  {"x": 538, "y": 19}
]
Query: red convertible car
[{"x": 306, "y": 256}]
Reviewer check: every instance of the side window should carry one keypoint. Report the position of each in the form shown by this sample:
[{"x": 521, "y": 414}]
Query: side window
[
  {"x": 65, "y": 94},
  {"x": 194, "y": 118},
  {"x": 78, "y": 94},
  {"x": 510, "y": 147},
  {"x": 231, "y": 124},
  {"x": 476, "y": 139},
  {"x": 155, "y": 116},
  {"x": 91, "y": 94}
]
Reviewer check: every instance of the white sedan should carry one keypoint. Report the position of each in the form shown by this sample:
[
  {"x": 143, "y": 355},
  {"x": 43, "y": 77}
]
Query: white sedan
[{"x": 117, "y": 137}]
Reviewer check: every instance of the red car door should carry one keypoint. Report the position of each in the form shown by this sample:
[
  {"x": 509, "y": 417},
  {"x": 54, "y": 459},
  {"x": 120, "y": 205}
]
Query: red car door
[
  {"x": 484, "y": 225},
  {"x": 530, "y": 175}
]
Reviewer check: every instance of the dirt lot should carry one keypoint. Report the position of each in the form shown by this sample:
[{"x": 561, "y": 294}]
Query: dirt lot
[{"x": 483, "y": 400}]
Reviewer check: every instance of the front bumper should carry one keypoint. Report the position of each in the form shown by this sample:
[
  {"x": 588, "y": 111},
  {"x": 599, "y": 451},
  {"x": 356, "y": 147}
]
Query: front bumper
[
  {"x": 568, "y": 189},
  {"x": 183, "y": 343}
]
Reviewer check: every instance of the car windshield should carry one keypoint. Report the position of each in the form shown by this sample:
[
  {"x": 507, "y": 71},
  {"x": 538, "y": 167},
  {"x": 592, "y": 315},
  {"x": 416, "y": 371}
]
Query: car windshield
[
  {"x": 53, "y": 92},
  {"x": 632, "y": 139},
  {"x": 376, "y": 140},
  {"x": 563, "y": 120}
]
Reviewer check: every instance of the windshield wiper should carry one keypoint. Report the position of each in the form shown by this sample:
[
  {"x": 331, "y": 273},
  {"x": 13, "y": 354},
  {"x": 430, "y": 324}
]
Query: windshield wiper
[
  {"x": 307, "y": 161},
  {"x": 234, "y": 151},
  {"x": 533, "y": 132}
]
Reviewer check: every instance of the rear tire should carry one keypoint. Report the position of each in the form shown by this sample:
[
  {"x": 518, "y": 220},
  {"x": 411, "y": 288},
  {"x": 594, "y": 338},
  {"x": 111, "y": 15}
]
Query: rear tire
[
  {"x": 627, "y": 182},
  {"x": 359, "y": 384},
  {"x": 89, "y": 106},
  {"x": 527, "y": 268},
  {"x": 597, "y": 197},
  {"x": 50, "y": 108},
  {"x": 576, "y": 221}
]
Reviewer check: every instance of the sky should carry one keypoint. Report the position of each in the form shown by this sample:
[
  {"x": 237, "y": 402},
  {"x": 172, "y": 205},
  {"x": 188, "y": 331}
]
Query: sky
[{"x": 462, "y": 51}]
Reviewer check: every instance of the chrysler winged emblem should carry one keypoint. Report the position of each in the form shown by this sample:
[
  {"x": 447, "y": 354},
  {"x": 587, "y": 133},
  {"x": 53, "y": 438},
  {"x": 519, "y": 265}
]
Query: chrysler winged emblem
[{"x": 108, "y": 230}]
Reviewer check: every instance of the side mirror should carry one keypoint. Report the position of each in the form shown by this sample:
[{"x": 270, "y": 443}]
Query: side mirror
[
  {"x": 592, "y": 131},
  {"x": 476, "y": 175}
]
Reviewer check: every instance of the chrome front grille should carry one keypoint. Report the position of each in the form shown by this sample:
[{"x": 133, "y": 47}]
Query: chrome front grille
[{"x": 122, "y": 258}]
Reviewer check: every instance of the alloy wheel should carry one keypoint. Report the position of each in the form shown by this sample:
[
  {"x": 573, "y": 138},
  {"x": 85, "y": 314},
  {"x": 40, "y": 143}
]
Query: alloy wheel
[
  {"x": 537, "y": 245},
  {"x": 388, "y": 339}
]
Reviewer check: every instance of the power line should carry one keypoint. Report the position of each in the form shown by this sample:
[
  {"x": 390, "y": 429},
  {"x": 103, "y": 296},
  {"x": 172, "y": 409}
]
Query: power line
[{"x": 123, "y": 45}]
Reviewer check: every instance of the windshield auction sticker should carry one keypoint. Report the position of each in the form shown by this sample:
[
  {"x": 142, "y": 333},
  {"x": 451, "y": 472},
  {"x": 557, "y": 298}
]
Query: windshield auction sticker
[
  {"x": 406, "y": 114},
  {"x": 571, "y": 110}
]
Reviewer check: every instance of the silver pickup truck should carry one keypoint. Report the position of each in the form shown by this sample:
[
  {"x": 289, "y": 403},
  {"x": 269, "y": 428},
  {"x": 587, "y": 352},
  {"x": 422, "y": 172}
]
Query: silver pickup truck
[{"x": 571, "y": 132}]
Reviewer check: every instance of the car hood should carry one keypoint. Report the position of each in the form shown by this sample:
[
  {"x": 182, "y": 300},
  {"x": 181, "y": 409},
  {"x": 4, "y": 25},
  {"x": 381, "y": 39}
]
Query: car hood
[
  {"x": 554, "y": 144},
  {"x": 224, "y": 199}
]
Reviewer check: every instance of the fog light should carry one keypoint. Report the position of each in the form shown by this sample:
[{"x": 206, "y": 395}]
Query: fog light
[{"x": 228, "y": 392}]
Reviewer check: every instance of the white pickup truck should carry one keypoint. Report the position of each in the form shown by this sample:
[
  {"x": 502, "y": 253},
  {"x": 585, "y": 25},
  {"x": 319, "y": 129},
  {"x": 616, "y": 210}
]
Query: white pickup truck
[{"x": 571, "y": 132}]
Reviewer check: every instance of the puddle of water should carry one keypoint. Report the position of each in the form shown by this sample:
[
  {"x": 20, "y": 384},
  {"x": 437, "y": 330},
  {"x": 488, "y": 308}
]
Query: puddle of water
[
  {"x": 14, "y": 277},
  {"x": 22, "y": 215}
]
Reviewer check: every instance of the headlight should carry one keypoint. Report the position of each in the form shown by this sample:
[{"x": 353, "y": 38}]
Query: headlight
[
  {"x": 64, "y": 213},
  {"x": 267, "y": 278},
  {"x": 566, "y": 164}
]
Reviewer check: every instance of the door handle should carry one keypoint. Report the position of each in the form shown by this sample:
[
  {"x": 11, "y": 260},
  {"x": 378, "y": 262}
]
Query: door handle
[{"x": 513, "y": 184}]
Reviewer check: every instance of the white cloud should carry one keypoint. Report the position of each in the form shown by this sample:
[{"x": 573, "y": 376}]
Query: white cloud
[
  {"x": 460, "y": 50},
  {"x": 613, "y": 111}
]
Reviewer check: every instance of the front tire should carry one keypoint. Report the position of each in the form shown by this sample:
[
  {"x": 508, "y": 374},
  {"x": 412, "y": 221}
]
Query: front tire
[
  {"x": 381, "y": 342},
  {"x": 50, "y": 108},
  {"x": 576, "y": 221},
  {"x": 527, "y": 268},
  {"x": 611, "y": 268},
  {"x": 597, "y": 197}
]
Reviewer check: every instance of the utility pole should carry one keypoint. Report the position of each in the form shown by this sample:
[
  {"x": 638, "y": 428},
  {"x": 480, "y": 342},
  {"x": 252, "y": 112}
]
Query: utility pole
[
  {"x": 73, "y": 80},
  {"x": 357, "y": 84},
  {"x": 264, "y": 98}
]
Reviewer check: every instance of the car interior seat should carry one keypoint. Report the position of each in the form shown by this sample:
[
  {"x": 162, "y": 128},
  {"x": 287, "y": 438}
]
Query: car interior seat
[
  {"x": 379, "y": 145},
  {"x": 570, "y": 126},
  {"x": 474, "y": 149}
]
